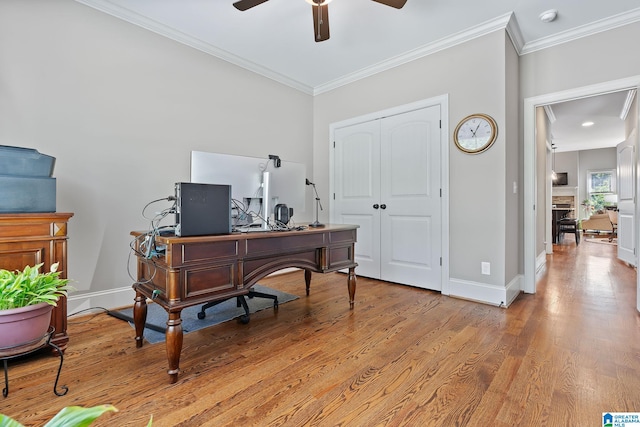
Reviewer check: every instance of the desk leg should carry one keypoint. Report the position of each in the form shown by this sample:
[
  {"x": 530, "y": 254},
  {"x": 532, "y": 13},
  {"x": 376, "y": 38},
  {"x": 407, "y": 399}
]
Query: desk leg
[
  {"x": 351, "y": 284},
  {"x": 307, "y": 280},
  {"x": 174, "y": 344},
  {"x": 140, "y": 317}
]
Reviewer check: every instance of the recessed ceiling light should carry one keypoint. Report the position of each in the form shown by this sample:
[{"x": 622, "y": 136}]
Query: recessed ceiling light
[
  {"x": 549, "y": 15},
  {"x": 587, "y": 124}
]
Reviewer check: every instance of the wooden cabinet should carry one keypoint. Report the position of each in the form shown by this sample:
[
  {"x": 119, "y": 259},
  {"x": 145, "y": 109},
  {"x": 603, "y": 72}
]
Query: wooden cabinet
[{"x": 33, "y": 238}]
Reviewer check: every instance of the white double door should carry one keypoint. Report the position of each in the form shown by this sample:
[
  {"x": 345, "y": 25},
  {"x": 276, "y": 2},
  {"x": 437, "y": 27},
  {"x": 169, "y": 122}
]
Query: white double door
[{"x": 387, "y": 181}]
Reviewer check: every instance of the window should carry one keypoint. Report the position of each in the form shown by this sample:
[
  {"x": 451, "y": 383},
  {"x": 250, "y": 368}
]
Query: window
[{"x": 601, "y": 187}]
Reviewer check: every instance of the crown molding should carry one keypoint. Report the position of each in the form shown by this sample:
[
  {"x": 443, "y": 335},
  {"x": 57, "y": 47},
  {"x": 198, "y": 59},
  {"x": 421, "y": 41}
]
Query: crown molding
[
  {"x": 627, "y": 104},
  {"x": 163, "y": 30},
  {"x": 550, "y": 115},
  {"x": 480, "y": 30},
  {"x": 583, "y": 31},
  {"x": 505, "y": 22},
  {"x": 515, "y": 34}
]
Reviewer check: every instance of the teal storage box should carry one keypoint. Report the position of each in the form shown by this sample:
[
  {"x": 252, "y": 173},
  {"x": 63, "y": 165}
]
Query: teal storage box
[
  {"x": 27, "y": 194},
  {"x": 26, "y": 182},
  {"x": 18, "y": 161}
]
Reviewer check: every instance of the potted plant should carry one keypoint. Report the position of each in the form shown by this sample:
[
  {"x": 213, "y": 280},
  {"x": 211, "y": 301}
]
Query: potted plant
[
  {"x": 588, "y": 207},
  {"x": 70, "y": 416},
  {"x": 26, "y": 300}
]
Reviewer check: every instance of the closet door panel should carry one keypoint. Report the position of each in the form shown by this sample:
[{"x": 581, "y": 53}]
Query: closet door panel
[
  {"x": 410, "y": 192},
  {"x": 357, "y": 190}
]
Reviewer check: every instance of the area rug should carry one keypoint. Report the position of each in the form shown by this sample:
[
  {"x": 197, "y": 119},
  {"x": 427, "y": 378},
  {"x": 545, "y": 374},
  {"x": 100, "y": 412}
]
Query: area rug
[{"x": 223, "y": 312}]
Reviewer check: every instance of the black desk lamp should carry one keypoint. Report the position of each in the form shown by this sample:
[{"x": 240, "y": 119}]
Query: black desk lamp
[{"x": 316, "y": 223}]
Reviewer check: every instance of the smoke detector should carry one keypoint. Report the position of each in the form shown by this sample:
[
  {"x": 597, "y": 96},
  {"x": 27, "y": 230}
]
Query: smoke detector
[{"x": 549, "y": 15}]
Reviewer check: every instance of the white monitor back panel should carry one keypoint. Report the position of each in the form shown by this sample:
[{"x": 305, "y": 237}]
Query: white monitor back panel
[{"x": 244, "y": 174}]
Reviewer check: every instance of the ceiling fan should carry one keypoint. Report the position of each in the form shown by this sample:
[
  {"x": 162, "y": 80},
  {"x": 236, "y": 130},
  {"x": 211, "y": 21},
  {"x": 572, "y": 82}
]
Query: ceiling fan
[{"x": 320, "y": 10}]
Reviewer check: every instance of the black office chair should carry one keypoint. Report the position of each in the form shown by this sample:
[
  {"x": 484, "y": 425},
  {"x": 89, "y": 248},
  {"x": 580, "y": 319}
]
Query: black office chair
[{"x": 241, "y": 301}]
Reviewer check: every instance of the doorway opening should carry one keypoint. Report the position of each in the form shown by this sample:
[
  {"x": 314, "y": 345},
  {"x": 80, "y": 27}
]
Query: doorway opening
[{"x": 531, "y": 165}]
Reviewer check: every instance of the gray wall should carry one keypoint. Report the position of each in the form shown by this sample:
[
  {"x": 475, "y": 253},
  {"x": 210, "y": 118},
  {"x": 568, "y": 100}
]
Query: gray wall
[
  {"x": 513, "y": 167},
  {"x": 568, "y": 162},
  {"x": 477, "y": 182},
  {"x": 602, "y": 158},
  {"x": 121, "y": 108},
  {"x": 600, "y": 58}
]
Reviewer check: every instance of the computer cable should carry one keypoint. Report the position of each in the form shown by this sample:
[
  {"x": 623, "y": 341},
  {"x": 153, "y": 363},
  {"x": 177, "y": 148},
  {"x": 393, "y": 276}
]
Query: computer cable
[{"x": 143, "y": 246}]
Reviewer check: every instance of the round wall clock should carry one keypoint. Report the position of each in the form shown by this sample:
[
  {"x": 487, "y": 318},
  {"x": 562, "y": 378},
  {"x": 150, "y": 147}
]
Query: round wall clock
[{"x": 475, "y": 133}]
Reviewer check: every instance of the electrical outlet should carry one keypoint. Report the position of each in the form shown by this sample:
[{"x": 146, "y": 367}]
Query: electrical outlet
[{"x": 486, "y": 268}]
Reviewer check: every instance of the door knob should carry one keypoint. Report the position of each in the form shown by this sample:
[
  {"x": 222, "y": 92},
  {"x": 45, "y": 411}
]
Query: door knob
[
  {"x": 383, "y": 206},
  {"x": 376, "y": 206}
]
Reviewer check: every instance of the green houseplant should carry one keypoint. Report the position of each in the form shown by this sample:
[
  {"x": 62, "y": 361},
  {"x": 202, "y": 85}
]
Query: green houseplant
[
  {"x": 26, "y": 300},
  {"x": 71, "y": 416}
]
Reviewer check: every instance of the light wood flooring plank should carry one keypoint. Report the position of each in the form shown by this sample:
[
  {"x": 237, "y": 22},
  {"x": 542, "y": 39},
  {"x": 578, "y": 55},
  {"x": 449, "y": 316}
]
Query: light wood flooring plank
[{"x": 402, "y": 357}]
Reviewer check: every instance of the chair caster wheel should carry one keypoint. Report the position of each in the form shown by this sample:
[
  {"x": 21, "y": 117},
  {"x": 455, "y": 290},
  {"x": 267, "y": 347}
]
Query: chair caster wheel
[
  {"x": 201, "y": 315},
  {"x": 244, "y": 319}
]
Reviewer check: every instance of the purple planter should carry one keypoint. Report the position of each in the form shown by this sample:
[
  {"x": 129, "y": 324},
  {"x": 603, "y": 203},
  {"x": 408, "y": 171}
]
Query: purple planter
[{"x": 22, "y": 325}]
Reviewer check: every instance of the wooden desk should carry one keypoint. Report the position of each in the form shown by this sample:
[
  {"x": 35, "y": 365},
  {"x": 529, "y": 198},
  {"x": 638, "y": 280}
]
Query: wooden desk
[
  {"x": 34, "y": 238},
  {"x": 196, "y": 270}
]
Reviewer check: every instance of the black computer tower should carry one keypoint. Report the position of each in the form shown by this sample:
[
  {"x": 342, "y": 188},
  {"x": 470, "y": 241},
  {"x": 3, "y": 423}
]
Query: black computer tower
[{"x": 202, "y": 209}]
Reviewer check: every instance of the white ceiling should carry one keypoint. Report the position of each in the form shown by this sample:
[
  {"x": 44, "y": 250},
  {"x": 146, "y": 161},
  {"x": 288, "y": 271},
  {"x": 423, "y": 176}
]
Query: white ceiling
[
  {"x": 276, "y": 38},
  {"x": 607, "y": 112}
]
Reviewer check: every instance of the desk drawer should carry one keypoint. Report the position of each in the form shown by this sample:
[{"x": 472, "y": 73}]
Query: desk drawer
[
  {"x": 345, "y": 236},
  {"x": 208, "y": 280},
  {"x": 284, "y": 243},
  {"x": 341, "y": 257},
  {"x": 196, "y": 253}
]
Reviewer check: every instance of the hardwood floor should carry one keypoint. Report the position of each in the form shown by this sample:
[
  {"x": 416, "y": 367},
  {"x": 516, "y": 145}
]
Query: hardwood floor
[{"x": 402, "y": 357}]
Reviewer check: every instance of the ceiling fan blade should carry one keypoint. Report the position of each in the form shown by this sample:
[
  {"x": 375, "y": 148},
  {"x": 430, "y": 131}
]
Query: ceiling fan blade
[
  {"x": 393, "y": 3},
  {"x": 247, "y": 4},
  {"x": 321, "y": 22}
]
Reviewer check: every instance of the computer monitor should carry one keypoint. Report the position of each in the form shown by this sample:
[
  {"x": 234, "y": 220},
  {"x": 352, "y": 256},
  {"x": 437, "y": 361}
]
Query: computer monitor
[{"x": 246, "y": 175}]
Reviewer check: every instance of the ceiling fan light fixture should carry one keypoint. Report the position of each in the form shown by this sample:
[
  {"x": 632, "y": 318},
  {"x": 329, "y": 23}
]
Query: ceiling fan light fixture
[{"x": 318, "y": 2}]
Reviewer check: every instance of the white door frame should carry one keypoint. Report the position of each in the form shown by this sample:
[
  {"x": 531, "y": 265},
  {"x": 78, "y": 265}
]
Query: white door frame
[
  {"x": 548, "y": 183},
  {"x": 443, "y": 102},
  {"x": 530, "y": 104}
]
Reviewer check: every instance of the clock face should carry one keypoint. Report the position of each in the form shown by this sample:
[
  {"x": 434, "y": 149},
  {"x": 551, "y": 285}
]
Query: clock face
[{"x": 475, "y": 133}]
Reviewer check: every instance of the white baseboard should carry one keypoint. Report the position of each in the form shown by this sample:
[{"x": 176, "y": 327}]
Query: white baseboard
[
  {"x": 501, "y": 296},
  {"x": 514, "y": 288},
  {"x": 541, "y": 261},
  {"x": 117, "y": 298},
  {"x": 541, "y": 264},
  {"x": 108, "y": 299}
]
